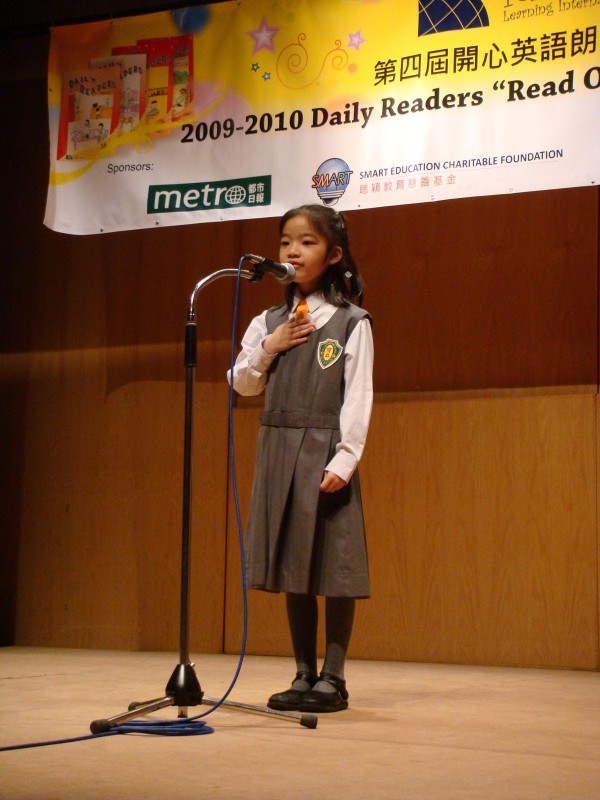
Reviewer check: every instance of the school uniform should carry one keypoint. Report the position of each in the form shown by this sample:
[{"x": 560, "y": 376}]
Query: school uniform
[{"x": 317, "y": 409}]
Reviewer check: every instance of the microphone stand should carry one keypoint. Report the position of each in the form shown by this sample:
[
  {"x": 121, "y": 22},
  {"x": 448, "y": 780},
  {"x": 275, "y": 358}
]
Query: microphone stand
[{"x": 183, "y": 688}]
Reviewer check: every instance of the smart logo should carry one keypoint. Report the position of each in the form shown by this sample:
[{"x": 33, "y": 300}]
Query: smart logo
[
  {"x": 171, "y": 197},
  {"x": 331, "y": 180}
]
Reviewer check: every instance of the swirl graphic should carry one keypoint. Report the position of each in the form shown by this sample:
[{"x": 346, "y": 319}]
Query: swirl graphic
[{"x": 293, "y": 63}]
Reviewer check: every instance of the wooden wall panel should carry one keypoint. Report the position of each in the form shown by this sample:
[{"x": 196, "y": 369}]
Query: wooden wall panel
[
  {"x": 101, "y": 510},
  {"x": 489, "y": 522},
  {"x": 122, "y": 289},
  {"x": 487, "y": 292},
  {"x": 150, "y": 275},
  {"x": 481, "y": 520},
  {"x": 100, "y": 370}
]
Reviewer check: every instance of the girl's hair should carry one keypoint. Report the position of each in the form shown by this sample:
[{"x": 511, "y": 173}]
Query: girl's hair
[{"x": 341, "y": 283}]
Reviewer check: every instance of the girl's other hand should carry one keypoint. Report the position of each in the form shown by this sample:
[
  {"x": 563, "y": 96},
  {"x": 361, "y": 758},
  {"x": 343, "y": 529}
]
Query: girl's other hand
[
  {"x": 331, "y": 482},
  {"x": 287, "y": 335}
]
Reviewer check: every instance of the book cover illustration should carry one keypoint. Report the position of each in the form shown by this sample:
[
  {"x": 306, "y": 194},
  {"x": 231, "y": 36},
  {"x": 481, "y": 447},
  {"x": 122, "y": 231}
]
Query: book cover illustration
[
  {"x": 132, "y": 74},
  {"x": 183, "y": 77},
  {"x": 159, "y": 79},
  {"x": 170, "y": 78},
  {"x": 89, "y": 111},
  {"x": 137, "y": 92}
]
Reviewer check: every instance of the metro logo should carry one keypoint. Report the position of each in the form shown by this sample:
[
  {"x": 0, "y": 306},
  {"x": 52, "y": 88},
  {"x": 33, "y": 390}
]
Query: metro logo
[{"x": 167, "y": 198}]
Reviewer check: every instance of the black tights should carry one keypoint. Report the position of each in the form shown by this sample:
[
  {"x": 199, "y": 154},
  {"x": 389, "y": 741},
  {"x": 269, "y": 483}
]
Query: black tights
[{"x": 303, "y": 618}]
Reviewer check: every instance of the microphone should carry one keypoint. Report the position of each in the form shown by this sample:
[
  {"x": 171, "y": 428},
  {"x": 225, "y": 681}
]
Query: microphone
[{"x": 284, "y": 273}]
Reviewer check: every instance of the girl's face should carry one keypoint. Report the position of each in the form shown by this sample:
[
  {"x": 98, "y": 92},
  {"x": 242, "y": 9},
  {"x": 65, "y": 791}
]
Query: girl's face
[{"x": 307, "y": 250}]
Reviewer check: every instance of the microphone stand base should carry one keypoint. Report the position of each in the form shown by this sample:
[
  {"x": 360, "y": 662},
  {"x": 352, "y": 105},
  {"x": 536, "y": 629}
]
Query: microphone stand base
[{"x": 183, "y": 690}]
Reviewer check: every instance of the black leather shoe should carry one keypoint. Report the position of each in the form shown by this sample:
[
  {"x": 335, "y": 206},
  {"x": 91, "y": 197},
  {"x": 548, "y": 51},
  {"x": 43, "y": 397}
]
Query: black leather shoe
[
  {"x": 322, "y": 702},
  {"x": 290, "y": 700}
]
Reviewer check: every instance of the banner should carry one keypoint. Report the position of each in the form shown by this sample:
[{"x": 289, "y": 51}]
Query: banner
[{"x": 244, "y": 109}]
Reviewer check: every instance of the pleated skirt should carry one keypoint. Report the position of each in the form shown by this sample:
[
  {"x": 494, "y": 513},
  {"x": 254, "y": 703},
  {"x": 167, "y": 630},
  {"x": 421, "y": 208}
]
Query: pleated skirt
[{"x": 299, "y": 539}]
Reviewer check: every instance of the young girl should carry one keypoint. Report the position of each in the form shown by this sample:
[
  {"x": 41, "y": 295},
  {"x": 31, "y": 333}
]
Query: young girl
[{"x": 305, "y": 536}]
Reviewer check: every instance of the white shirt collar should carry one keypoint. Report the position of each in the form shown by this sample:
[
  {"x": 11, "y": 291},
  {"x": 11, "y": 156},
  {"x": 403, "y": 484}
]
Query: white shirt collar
[{"x": 314, "y": 301}]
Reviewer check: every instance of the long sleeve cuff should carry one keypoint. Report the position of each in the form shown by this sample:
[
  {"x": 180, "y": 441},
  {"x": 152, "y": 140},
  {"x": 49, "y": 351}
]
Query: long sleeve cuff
[
  {"x": 260, "y": 360},
  {"x": 343, "y": 465}
]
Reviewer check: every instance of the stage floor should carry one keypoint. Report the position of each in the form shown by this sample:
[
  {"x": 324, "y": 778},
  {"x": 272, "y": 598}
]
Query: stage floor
[{"x": 412, "y": 732}]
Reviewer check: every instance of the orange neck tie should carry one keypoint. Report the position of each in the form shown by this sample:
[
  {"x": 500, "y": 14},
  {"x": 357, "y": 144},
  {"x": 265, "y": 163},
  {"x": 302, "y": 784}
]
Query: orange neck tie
[{"x": 302, "y": 310}]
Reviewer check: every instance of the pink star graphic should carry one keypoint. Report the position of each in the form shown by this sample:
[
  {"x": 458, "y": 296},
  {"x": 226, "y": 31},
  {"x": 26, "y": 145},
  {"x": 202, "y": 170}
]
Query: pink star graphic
[
  {"x": 263, "y": 37},
  {"x": 355, "y": 40}
]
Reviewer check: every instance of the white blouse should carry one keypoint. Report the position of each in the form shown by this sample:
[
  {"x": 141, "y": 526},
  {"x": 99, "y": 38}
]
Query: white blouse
[{"x": 250, "y": 375}]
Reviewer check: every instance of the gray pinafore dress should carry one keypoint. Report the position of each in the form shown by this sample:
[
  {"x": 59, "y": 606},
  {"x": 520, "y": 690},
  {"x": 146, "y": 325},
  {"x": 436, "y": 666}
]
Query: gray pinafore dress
[{"x": 299, "y": 539}]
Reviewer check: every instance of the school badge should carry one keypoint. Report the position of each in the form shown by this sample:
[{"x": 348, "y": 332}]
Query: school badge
[{"x": 329, "y": 352}]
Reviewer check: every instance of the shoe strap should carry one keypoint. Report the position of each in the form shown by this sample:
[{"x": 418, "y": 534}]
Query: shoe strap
[
  {"x": 337, "y": 683},
  {"x": 308, "y": 677}
]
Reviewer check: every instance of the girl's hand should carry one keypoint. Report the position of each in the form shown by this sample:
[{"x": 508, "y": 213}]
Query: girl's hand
[
  {"x": 287, "y": 335},
  {"x": 331, "y": 483}
]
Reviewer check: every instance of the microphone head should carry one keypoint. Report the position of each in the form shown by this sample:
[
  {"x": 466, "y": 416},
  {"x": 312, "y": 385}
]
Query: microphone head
[
  {"x": 284, "y": 273},
  {"x": 289, "y": 276}
]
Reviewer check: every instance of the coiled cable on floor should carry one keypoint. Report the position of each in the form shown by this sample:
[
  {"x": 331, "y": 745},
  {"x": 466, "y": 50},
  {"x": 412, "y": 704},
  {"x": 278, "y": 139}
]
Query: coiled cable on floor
[{"x": 158, "y": 728}]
